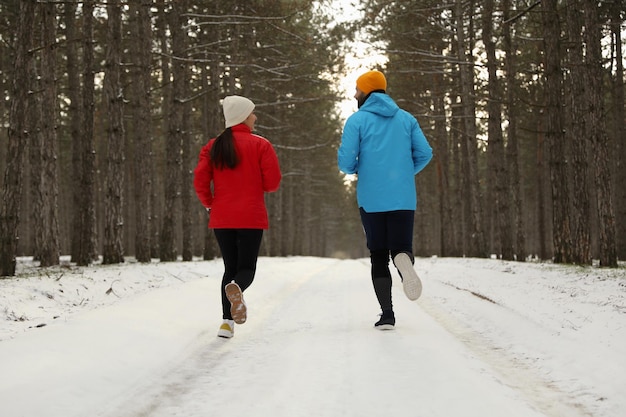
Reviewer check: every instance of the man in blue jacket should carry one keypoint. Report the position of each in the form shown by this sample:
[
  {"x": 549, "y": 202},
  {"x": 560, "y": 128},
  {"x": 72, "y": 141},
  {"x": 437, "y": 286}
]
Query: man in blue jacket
[{"x": 384, "y": 145}]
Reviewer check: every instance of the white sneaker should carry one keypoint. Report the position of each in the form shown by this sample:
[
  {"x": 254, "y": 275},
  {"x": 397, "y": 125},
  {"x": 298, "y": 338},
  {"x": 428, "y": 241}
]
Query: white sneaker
[
  {"x": 227, "y": 329},
  {"x": 238, "y": 308},
  {"x": 410, "y": 281}
]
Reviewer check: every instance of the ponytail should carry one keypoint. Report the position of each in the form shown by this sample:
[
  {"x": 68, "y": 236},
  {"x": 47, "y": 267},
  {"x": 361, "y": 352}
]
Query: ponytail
[{"x": 223, "y": 153}]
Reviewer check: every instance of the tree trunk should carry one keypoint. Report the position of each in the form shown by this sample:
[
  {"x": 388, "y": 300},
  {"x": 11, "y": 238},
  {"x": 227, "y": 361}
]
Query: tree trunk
[
  {"x": 142, "y": 126},
  {"x": 86, "y": 143},
  {"x": 83, "y": 238},
  {"x": 49, "y": 250},
  {"x": 210, "y": 127},
  {"x": 510, "y": 67},
  {"x": 35, "y": 154},
  {"x": 458, "y": 203},
  {"x": 496, "y": 139},
  {"x": 476, "y": 239},
  {"x": 619, "y": 132},
  {"x": 598, "y": 134},
  {"x": 188, "y": 159},
  {"x": 542, "y": 224},
  {"x": 442, "y": 163},
  {"x": 89, "y": 237},
  {"x": 174, "y": 138},
  {"x": 578, "y": 136},
  {"x": 18, "y": 135},
  {"x": 166, "y": 93},
  {"x": 114, "y": 185},
  {"x": 555, "y": 137},
  {"x": 75, "y": 124}
]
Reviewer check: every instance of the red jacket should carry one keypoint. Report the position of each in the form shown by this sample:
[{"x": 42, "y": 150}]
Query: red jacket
[{"x": 237, "y": 199}]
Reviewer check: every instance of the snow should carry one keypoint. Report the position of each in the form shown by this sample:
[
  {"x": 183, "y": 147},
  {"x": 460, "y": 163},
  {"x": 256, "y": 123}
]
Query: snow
[{"x": 487, "y": 338}]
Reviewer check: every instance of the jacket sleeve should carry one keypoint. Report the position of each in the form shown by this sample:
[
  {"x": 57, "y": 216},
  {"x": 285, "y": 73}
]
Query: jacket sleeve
[
  {"x": 270, "y": 168},
  {"x": 421, "y": 151},
  {"x": 348, "y": 153},
  {"x": 202, "y": 177}
]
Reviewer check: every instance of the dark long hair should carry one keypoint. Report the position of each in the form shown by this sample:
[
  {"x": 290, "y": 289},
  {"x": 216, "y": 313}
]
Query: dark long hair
[{"x": 223, "y": 153}]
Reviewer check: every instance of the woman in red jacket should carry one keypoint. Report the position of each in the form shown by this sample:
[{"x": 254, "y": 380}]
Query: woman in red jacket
[{"x": 241, "y": 167}]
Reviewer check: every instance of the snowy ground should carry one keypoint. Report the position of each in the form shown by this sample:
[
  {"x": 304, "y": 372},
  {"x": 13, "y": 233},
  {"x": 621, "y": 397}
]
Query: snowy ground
[{"x": 487, "y": 338}]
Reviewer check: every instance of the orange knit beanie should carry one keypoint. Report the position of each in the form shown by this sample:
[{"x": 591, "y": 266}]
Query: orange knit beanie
[{"x": 370, "y": 81}]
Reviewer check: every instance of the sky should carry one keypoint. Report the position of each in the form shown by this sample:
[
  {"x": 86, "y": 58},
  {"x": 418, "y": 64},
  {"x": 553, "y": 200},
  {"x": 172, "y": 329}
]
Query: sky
[
  {"x": 487, "y": 338},
  {"x": 361, "y": 56}
]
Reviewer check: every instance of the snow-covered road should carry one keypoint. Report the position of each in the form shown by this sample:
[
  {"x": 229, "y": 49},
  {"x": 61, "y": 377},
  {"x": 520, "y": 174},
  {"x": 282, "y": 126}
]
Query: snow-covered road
[{"x": 487, "y": 338}]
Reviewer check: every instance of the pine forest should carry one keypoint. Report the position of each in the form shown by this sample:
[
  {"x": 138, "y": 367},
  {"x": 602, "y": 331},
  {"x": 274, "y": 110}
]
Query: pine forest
[{"x": 107, "y": 104}]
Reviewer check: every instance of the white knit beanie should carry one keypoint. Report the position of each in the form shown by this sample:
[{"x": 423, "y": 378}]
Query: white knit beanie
[{"x": 236, "y": 109}]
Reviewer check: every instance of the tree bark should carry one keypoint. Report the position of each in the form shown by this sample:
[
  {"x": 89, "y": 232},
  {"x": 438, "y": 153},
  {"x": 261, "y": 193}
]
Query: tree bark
[
  {"x": 158, "y": 198},
  {"x": 510, "y": 68},
  {"x": 541, "y": 186},
  {"x": 475, "y": 235},
  {"x": 210, "y": 128},
  {"x": 175, "y": 134},
  {"x": 142, "y": 127},
  {"x": 442, "y": 163},
  {"x": 188, "y": 159},
  {"x": 578, "y": 135},
  {"x": 35, "y": 155},
  {"x": 500, "y": 175},
  {"x": 114, "y": 185},
  {"x": 619, "y": 131},
  {"x": 598, "y": 134},
  {"x": 89, "y": 250},
  {"x": 49, "y": 249},
  {"x": 555, "y": 136},
  {"x": 75, "y": 124},
  {"x": 18, "y": 135}
]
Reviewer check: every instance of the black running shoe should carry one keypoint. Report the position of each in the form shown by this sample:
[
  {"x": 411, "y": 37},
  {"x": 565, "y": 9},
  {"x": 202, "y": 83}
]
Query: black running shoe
[{"x": 387, "y": 321}]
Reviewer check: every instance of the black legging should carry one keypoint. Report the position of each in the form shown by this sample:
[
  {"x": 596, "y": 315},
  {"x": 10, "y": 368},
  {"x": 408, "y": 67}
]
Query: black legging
[
  {"x": 388, "y": 233},
  {"x": 240, "y": 250}
]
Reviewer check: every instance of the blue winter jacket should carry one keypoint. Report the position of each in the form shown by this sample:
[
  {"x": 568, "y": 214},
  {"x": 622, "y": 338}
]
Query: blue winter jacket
[{"x": 385, "y": 146}]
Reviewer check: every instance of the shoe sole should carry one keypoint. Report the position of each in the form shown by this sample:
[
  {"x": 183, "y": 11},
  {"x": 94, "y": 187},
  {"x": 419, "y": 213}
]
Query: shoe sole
[
  {"x": 237, "y": 306},
  {"x": 385, "y": 327},
  {"x": 410, "y": 281},
  {"x": 224, "y": 334}
]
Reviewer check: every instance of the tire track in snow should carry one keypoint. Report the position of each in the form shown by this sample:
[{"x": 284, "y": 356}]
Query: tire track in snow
[{"x": 543, "y": 395}]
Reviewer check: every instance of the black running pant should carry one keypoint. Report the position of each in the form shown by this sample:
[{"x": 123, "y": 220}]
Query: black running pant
[
  {"x": 388, "y": 233},
  {"x": 240, "y": 251}
]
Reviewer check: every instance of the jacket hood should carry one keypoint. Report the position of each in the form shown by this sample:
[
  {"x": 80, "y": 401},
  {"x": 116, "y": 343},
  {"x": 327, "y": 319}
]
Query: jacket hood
[{"x": 380, "y": 104}]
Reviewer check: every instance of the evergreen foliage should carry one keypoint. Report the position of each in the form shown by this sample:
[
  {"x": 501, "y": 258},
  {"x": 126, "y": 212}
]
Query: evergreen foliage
[{"x": 104, "y": 165}]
